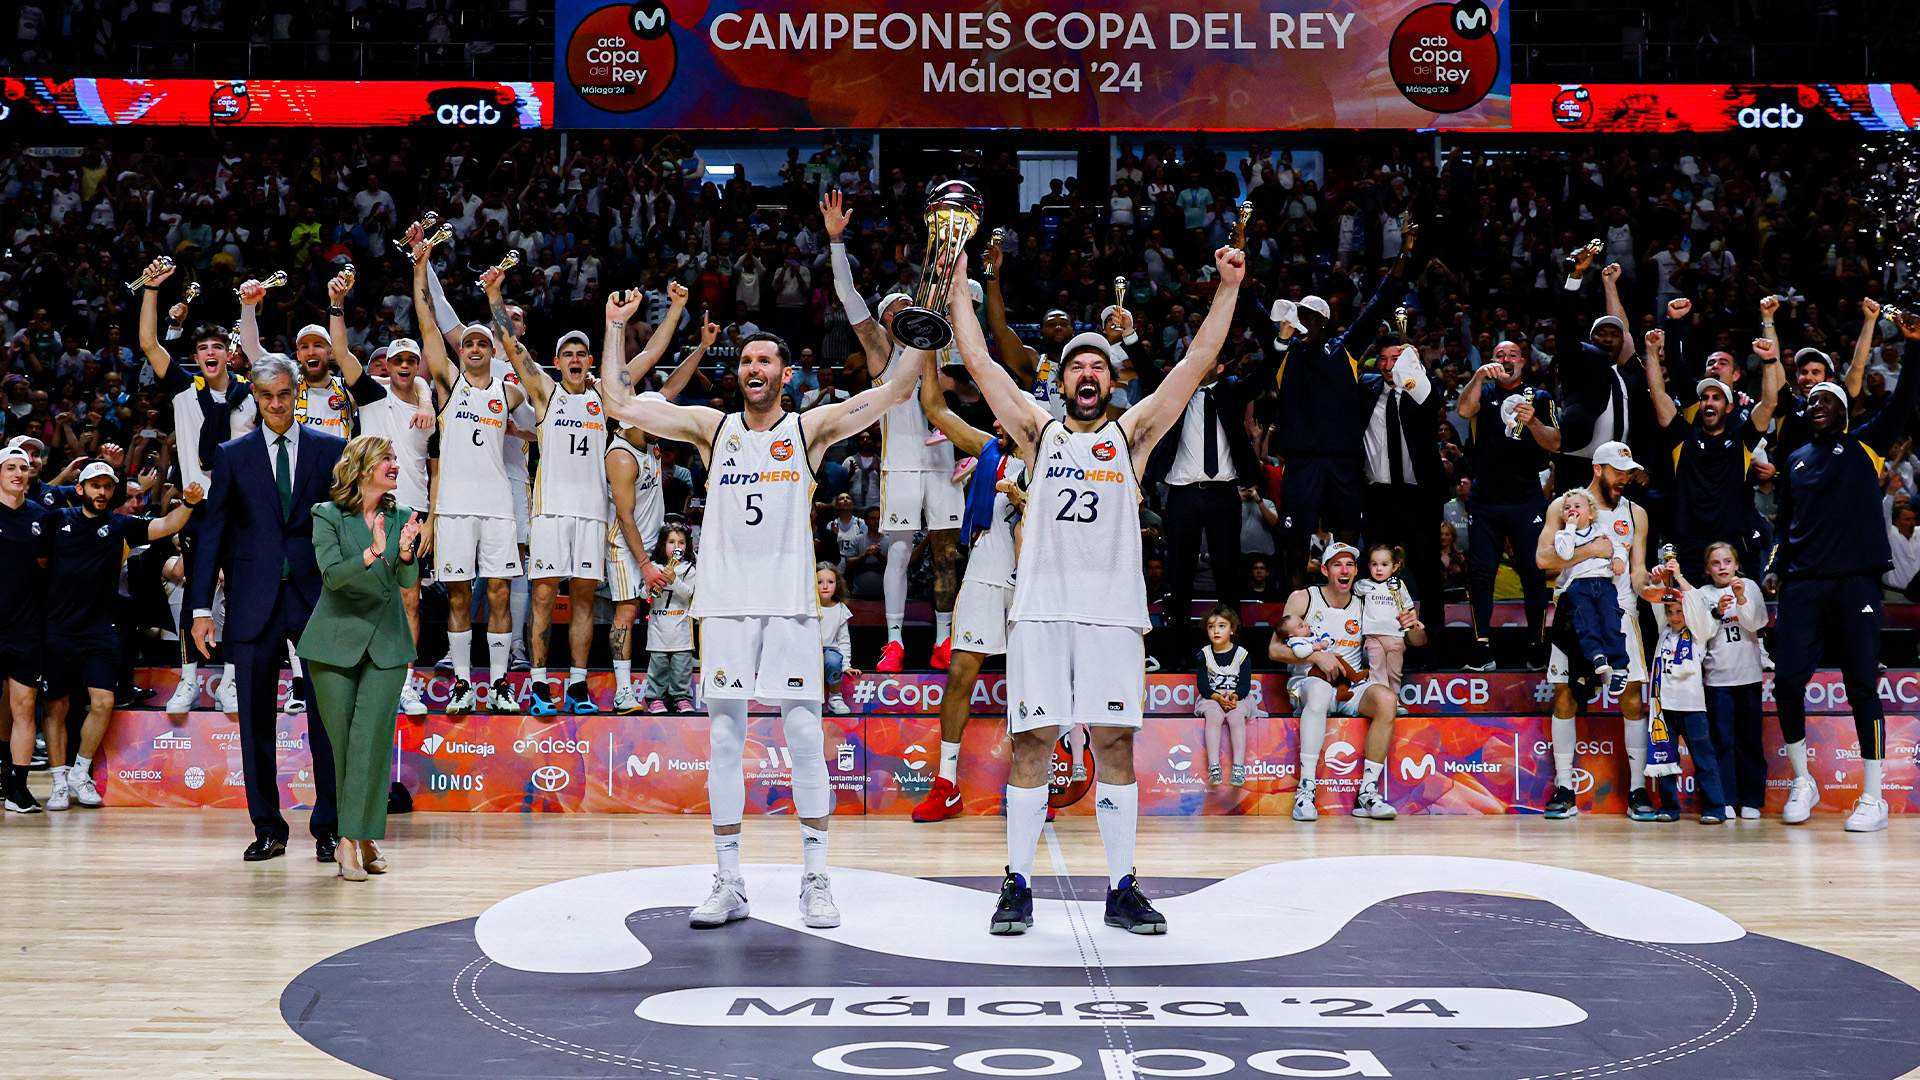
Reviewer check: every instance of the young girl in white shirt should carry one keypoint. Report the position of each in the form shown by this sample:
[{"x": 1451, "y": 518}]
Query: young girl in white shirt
[
  {"x": 1384, "y": 599},
  {"x": 836, "y": 639},
  {"x": 1680, "y": 697},
  {"x": 669, "y": 629},
  {"x": 1734, "y": 664}
]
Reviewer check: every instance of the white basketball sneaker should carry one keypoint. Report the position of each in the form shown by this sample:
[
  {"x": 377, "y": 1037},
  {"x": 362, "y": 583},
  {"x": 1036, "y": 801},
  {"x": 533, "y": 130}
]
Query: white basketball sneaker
[
  {"x": 62, "y": 795},
  {"x": 1303, "y": 808},
  {"x": 1801, "y": 799},
  {"x": 816, "y": 903},
  {"x": 410, "y": 701},
  {"x": 1369, "y": 804},
  {"x": 88, "y": 796},
  {"x": 725, "y": 902},
  {"x": 228, "y": 697},
  {"x": 1869, "y": 815},
  {"x": 626, "y": 702},
  {"x": 185, "y": 697}
]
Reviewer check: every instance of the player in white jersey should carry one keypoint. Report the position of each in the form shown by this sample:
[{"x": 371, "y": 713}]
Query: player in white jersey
[
  {"x": 916, "y": 470},
  {"x": 759, "y": 616},
  {"x": 320, "y": 400},
  {"x": 208, "y": 409},
  {"x": 472, "y": 522},
  {"x": 636, "y": 506},
  {"x": 1334, "y": 680},
  {"x": 1625, "y": 523},
  {"x": 1076, "y": 653},
  {"x": 399, "y": 409},
  {"x": 986, "y": 591}
]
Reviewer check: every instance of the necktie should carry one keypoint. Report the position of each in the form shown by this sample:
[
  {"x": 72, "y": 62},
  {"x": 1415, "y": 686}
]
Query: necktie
[
  {"x": 283, "y": 477},
  {"x": 1210, "y": 416},
  {"x": 1619, "y": 393},
  {"x": 1394, "y": 470}
]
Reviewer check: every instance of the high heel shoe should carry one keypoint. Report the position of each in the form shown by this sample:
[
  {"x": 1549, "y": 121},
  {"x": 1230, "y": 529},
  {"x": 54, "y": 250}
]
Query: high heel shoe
[
  {"x": 347, "y": 855},
  {"x": 371, "y": 858}
]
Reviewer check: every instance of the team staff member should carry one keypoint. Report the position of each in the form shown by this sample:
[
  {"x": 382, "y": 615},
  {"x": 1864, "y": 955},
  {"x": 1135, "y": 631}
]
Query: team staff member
[
  {"x": 1830, "y": 551},
  {"x": 357, "y": 645},
  {"x": 1511, "y": 437},
  {"x": 1600, "y": 388},
  {"x": 22, "y": 659},
  {"x": 1810, "y": 368},
  {"x": 84, "y": 547}
]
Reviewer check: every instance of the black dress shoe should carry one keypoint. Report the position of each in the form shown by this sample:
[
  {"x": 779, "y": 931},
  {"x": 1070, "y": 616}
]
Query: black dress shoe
[
  {"x": 264, "y": 848},
  {"x": 323, "y": 848}
]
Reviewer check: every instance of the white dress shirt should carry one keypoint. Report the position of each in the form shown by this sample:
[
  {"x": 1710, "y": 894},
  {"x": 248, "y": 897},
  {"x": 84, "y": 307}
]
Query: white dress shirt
[
  {"x": 1409, "y": 380},
  {"x": 1189, "y": 461}
]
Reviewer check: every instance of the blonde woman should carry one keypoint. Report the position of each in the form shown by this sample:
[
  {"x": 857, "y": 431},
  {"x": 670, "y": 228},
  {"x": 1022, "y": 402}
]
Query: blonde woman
[{"x": 357, "y": 646}]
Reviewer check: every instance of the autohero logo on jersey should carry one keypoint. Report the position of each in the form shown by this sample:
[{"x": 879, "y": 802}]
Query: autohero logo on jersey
[{"x": 607, "y": 966}]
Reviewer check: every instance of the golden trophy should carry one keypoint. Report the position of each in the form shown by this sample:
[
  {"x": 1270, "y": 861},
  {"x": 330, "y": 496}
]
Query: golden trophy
[
  {"x": 1120, "y": 293},
  {"x": 438, "y": 236},
  {"x": 507, "y": 262},
  {"x": 953, "y": 216},
  {"x": 1240, "y": 226},
  {"x": 146, "y": 276},
  {"x": 192, "y": 293},
  {"x": 271, "y": 281}
]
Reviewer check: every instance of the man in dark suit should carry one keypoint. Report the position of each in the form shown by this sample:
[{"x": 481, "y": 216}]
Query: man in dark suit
[
  {"x": 1205, "y": 459},
  {"x": 257, "y": 527},
  {"x": 1602, "y": 389},
  {"x": 1405, "y": 485}
]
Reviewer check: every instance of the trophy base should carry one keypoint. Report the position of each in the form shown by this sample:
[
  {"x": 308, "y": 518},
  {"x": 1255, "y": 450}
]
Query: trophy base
[{"x": 920, "y": 328}]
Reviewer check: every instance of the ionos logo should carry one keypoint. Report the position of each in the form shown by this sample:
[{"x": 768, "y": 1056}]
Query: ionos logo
[
  {"x": 1776, "y": 116},
  {"x": 621, "y": 58}
]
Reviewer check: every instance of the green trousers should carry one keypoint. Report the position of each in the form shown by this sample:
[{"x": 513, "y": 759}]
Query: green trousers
[{"x": 359, "y": 706}]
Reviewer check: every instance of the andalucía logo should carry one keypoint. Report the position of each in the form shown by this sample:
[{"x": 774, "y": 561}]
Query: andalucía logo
[
  {"x": 621, "y": 58},
  {"x": 601, "y": 976}
]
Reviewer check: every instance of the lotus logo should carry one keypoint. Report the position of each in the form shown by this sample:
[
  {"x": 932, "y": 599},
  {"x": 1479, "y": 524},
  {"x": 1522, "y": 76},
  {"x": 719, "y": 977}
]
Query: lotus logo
[
  {"x": 1339, "y": 757},
  {"x": 1176, "y": 757},
  {"x": 912, "y": 761},
  {"x": 1582, "y": 781},
  {"x": 551, "y": 778},
  {"x": 1415, "y": 771},
  {"x": 638, "y": 767}
]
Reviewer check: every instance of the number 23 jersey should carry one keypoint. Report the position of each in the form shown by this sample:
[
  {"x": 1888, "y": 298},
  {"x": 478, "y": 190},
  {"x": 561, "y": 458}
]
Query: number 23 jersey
[
  {"x": 756, "y": 552},
  {"x": 1080, "y": 546}
]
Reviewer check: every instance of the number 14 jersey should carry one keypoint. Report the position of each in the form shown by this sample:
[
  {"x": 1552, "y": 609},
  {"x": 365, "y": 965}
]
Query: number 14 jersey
[
  {"x": 1080, "y": 546},
  {"x": 572, "y": 481},
  {"x": 756, "y": 551}
]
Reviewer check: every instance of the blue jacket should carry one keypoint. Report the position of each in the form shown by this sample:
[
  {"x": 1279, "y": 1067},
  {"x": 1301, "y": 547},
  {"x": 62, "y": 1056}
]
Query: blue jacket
[
  {"x": 1828, "y": 491},
  {"x": 240, "y": 531}
]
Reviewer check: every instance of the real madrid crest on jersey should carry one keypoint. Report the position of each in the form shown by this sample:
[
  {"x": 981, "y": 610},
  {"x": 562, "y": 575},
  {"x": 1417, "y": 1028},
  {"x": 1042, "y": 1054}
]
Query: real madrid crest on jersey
[{"x": 733, "y": 444}]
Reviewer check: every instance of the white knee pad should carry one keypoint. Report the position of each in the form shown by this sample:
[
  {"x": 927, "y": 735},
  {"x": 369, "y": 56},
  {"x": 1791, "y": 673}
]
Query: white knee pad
[
  {"x": 806, "y": 743},
  {"x": 726, "y": 779}
]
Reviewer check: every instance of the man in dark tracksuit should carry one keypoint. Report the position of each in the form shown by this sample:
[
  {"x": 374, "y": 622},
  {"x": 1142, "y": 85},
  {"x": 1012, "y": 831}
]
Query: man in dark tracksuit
[
  {"x": 1317, "y": 432},
  {"x": 1830, "y": 552}
]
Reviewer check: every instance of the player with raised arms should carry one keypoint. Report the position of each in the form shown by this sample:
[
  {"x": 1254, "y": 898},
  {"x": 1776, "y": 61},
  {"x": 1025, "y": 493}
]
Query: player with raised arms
[
  {"x": 759, "y": 618},
  {"x": 1076, "y": 652}
]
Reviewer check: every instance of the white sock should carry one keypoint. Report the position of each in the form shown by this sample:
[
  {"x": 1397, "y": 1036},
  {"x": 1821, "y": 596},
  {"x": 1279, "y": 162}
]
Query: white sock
[
  {"x": 942, "y": 626},
  {"x": 227, "y": 676},
  {"x": 1870, "y": 785},
  {"x": 460, "y": 647},
  {"x": 622, "y": 675},
  {"x": 950, "y": 761},
  {"x": 813, "y": 849},
  {"x": 1371, "y": 775},
  {"x": 895, "y": 629},
  {"x": 1026, "y": 816},
  {"x": 726, "y": 849},
  {"x": 519, "y": 598},
  {"x": 1797, "y": 757},
  {"x": 83, "y": 765},
  {"x": 1117, "y": 808},
  {"x": 499, "y": 654},
  {"x": 188, "y": 673},
  {"x": 1565, "y": 736},
  {"x": 534, "y": 675},
  {"x": 576, "y": 675},
  {"x": 1637, "y": 754},
  {"x": 1313, "y": 733}
]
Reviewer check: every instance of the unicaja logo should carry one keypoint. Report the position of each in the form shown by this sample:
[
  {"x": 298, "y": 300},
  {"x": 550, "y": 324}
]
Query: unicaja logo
[{"x": 434, "y": 745}]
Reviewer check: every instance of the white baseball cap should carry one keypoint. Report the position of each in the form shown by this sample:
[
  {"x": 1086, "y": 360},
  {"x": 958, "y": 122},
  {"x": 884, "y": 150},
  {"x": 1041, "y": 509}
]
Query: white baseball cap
[
  {"x": 313, "y": 330},
  {"x": 98, "y": 468},
  {"x": 572, "y": 335},
  {"x": 1086, "y": 341},
  {"x": 1830, "y": 388},
  {"x": 403, "y": 345},
  {"x": 1616, "y": 454},
  {"x": 481, "y": 329},
  {"x": 1725, "y": 390},
  {"x": 887, "y": 302},
  {"x": 1337, "y": 549},
  {"x": 14, "y": 453},
  {"x": 20, "y": 441},
  {"x": 1317, "y": 305},
  {"x": 1614, "y": 321}
]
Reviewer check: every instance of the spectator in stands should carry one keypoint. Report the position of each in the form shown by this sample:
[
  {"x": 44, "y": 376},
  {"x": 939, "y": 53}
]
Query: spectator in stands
[{"x": 1512, "y": 434}]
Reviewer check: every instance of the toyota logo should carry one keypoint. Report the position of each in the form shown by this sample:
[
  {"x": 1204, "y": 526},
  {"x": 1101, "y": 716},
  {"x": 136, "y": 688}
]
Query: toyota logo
[
  {"x": 551, "y": 778},
  {"x": 1582, "y": 781}
]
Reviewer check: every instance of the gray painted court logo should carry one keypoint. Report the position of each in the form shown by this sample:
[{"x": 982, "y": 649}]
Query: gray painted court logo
[{"x": 1369, "y": 966}]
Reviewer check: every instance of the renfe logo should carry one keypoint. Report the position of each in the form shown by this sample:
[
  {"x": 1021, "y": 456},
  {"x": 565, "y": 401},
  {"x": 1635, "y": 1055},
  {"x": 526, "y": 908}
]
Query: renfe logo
[{"x": 1777, "y": 116}]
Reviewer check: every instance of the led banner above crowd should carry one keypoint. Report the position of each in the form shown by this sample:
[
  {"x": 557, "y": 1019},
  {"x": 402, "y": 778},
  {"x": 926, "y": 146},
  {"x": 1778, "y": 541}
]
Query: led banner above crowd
[
  {"x": 1116, "y": 65},
  {"x": 278, "y": 103},
  {"x": 1657, "y": 108}
]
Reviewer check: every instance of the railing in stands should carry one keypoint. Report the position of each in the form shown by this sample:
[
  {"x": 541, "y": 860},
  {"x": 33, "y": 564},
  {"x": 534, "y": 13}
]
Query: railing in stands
[{"x": 312, "y": 59}]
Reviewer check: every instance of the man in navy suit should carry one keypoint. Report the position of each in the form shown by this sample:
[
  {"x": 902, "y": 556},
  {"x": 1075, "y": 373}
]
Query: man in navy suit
[{"x": 257, "y": 526}]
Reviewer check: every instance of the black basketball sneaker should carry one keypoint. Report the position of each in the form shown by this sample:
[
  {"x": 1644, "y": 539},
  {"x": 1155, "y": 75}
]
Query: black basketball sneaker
[
  {"x": 1129, "y": 909},
  {"x": 1014, "y": 913}
]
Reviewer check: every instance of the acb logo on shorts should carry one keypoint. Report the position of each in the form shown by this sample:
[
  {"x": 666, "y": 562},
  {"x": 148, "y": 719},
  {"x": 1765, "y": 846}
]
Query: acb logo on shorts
[
  {"x": 781, "y": 450},
  {"x": 1104, "y": 451}
]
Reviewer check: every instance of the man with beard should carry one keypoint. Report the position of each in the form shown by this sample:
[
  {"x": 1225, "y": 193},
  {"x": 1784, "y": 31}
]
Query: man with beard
[
  {"x": 760, "y": 618},
  {"x": 994, "y": 503},
  {"x": 1619, "y": 522},
  {"x": 322, "y": 402},
  {"x": 1599, "y": 385},
  {"x": 22, "y": 596},
  {"x": 399, "y": 409},
  {"x": 1076, "y": 652},
  {"x": 208, "y": 409},
  {"x": 84, "y": 547},
  {"x": 1811, "y": 367},
  {"x": 1711, "y": 456},
  {"x": 1335, "y": 680},
  {"x": 474, "y": 534},
  {"x": 1830, "y": 550},
  {"x": 1511, "y": 437},
  {"x": 917, "y": 489},
  {"x": 1321, "y": 400}
]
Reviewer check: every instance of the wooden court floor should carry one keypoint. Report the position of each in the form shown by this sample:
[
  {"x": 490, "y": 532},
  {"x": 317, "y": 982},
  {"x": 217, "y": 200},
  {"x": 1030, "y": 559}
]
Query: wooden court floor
[{"x": 137, "y": 944}]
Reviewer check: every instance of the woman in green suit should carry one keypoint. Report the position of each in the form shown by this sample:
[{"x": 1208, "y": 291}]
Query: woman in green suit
[{"x": 357, "y": 647}]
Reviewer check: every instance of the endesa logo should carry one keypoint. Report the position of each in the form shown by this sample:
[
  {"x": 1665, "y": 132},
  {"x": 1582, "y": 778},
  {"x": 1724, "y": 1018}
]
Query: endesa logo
[
  {"x": 1772, "y": 117},
  {"x": 469, "y": 107}
]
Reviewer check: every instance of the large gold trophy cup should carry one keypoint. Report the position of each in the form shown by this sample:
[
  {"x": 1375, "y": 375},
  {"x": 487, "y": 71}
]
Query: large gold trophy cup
[{"x": 953, "y": 216}]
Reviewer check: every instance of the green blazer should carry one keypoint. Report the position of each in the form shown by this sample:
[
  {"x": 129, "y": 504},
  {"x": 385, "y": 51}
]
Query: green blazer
[{"x": 359, "y": 618}]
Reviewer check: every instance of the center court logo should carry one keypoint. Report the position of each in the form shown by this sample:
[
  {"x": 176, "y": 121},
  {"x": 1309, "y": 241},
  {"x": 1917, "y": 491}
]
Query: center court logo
[{"x": 621, "y": 58}]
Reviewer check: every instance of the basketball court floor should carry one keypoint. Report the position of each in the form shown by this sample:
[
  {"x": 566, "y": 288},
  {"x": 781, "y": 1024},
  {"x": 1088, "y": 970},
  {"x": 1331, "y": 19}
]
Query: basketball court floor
[{"x": 139, "y": 945}]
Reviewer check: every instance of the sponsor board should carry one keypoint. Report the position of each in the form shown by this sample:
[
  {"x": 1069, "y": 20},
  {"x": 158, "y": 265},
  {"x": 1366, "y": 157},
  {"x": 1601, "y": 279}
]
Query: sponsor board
[{"x": 280, "y": 102}]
